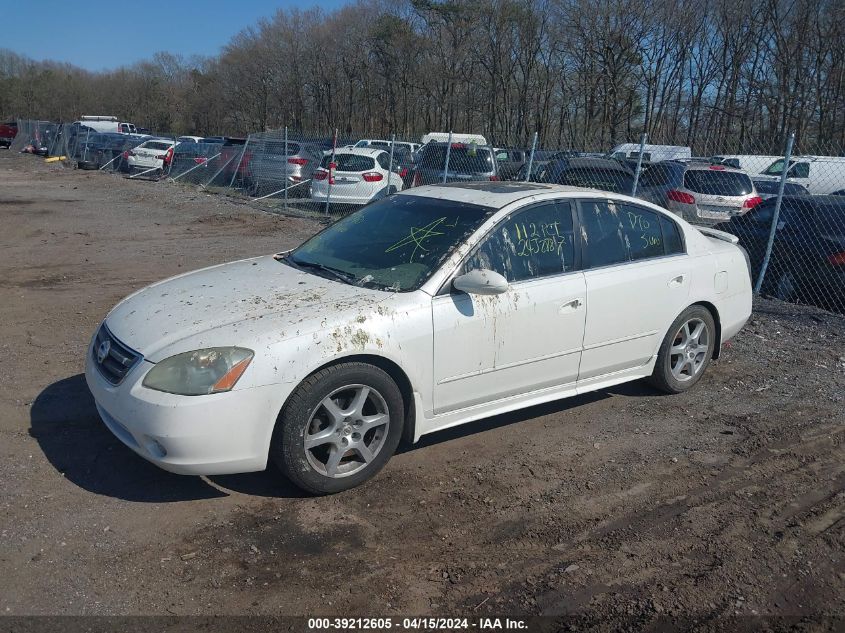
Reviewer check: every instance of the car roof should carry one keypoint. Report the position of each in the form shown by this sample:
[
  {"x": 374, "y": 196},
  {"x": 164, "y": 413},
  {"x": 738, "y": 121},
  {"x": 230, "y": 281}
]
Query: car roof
[
  {"x": 496, "y": 194},
  {"x": 595, "y": 163}
]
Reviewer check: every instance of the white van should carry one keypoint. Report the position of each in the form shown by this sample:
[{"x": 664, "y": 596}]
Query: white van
[
  {"x": 752, "y": 164},
  {"x": 106, "y": 124},
  {"x": 651, "y": 153},
  {"x": 443, "y": 137},
  {"x": 819, "y": 174}
]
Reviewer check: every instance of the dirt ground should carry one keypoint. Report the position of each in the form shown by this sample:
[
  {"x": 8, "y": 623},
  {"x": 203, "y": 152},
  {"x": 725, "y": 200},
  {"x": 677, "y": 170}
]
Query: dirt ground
[{"x": 615, "y": 510}]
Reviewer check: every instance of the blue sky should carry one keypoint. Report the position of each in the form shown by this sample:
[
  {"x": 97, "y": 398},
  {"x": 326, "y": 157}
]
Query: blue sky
[{"x": 67, "y": 30}]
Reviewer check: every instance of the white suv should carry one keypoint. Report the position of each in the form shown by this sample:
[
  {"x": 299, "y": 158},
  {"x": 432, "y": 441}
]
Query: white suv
[{"x": 357, "y": 176}]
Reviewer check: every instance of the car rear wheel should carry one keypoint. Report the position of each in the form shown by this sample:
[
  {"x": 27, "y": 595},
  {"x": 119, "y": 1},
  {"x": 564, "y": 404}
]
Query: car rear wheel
[
  {"x": 686, "y": 351},
  {"x": 338, "y": 428}
]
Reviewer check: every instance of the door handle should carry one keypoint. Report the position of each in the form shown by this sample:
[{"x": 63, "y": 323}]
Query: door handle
[
  {"x": 677, "y": 281},
  {"x": 569, "y": 306}
]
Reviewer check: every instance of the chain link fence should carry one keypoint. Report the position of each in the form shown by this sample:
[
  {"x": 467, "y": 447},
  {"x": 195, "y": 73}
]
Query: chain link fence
[{"x": 785, "y": 203}]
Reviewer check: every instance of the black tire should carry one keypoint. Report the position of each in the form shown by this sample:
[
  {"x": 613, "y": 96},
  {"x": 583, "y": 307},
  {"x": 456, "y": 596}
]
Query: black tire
[
  {"x": 87, "y": 165},
  {"x": 304, "y": 412},
  {"x": 663, "y": 377}
]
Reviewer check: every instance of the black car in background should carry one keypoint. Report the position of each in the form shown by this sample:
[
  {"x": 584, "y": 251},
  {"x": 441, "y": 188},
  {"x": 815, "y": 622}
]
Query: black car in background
[
  {"x": 808, "y": 253},
  {"x": 459, "y": 162},
  {"x": 766, "y": 188},
  {"x": 605, "y": 174},
  {"x": 105, "y": 150}
]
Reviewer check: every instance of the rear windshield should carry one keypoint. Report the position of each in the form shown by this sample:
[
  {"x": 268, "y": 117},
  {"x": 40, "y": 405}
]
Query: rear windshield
[
  {"x": 156, "y": 145},
  {"x": 349, "y": 162},
  {"x": 718, "y": 183},
  {"x": 462, "y": 158},
  {"x": 603, "y": 179}
]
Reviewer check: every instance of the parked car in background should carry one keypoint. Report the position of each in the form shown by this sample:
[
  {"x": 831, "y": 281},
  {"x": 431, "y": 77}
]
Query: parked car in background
[
  {"x": 101, "y": 150},
  {"x": 382, "y": 144},
  {"x": 538, "y": 164},
  {"x": 8, "y": 131},
  {"x": 752, "y": 164},
  {"x": 455, "y": 137},
  {"x": 467, "y": 162},
  {"x": 404, "y": 161},
  {"x": 270, "y": 167},
  {"x": 509, "y": 161},
  {"x": 766, "y": 188},
  {"x": 392, "y": 308},
  {"x": 198, "y": 157},
  {"x": 189, "y": 139},
  {"x": 153, "y": 154},
  {"x": 106, "y": 124},
  {"x": 593, "y": 173},
  {"x": 698, "y": 192},
  {"x": 213, "y": 139},
  {"x": 808, "y": 252},
  {"x": 818, "y": 174},
  {"x": 651, "y": 153},
  {"x": 359, "y": 176},
  {"x": 841, "y": 192}
]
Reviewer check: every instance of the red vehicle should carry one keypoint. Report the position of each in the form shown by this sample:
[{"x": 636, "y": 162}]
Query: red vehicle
[{"x": 8, "y": 131}]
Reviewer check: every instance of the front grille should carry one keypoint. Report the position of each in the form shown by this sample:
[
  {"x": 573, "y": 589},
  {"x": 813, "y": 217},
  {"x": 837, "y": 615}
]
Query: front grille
[{"x": 118, "y": 358}]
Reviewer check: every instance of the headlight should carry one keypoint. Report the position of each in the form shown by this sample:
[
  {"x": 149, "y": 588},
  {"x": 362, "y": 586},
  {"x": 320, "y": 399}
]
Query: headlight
[{"x": 200, "y": 372}]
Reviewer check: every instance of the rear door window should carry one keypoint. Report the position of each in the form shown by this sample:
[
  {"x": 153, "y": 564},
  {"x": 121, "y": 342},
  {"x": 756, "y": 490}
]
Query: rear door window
[
  {"x": 713, "y": 182},
  {"x": 383, "y": 160},
  {"x": 602, "y": 234},
  {"x": 642, "y": 231}
]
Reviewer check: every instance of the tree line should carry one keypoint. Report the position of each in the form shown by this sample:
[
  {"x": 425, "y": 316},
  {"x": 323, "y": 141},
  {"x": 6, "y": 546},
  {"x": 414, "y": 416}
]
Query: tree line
[{"x": 735, "y": 75}]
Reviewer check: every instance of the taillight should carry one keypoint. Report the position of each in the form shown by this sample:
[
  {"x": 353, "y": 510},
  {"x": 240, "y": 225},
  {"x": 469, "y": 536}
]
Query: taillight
[
  {"x": 199, "y": 160},
  {"x": 494, "y": 178},
  {"x": 837, "y": 259},
  {"x": 320, "y": 174},
  {"x": 404, "y": 172},
  {"x": 717, "y": 168},
  {"x": 680, "y": 196},
  {"x": 125, "y": 155},
  {"x": 752, "y": 202},
  {"x": 298, "y": 161},
  {"x": 372, "y": 176}
]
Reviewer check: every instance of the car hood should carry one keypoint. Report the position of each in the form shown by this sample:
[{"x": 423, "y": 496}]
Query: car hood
[{"x": 155, "y": 319}]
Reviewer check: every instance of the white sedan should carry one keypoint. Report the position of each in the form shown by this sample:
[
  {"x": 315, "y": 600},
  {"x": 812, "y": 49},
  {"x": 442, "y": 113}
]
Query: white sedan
[
  {"x": 428, "y": 309},
  {"x": 357, "y": 176},
  {"x": 150, "y": 155}
]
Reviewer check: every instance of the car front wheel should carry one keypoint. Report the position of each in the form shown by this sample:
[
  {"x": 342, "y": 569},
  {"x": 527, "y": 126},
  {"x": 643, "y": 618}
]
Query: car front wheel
[
  {"x": 339, "y": 428},
  {"x": 686, "y": 351}
]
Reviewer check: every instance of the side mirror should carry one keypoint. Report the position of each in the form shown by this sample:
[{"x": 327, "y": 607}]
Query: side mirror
[{"x": 481, "y": 282}]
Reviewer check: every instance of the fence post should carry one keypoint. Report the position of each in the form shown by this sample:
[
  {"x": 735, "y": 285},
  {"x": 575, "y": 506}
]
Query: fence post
[
  {"x": 531, "y": 158},
  {"x": 448, "y": 152},
  {"x": 286, "y": 167},
  {"x": 331, "y": 171},
  {"x": 87, "y": 132},
  {"x": 773, "y": 229},
  {"x": 390, "y": 163},
  {"x": 639, "y": 164},
  {"x": 240, "y": 160}
]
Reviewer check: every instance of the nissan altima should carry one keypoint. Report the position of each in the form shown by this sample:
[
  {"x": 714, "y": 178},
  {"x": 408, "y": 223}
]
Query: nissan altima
[{"x": 424, "y": 310}]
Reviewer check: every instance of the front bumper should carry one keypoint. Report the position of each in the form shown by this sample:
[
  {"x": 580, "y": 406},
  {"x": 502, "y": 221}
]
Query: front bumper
[{"x": 216, "y": 434}]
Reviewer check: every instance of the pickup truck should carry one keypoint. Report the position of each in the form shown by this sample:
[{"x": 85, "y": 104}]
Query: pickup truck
[{"x": 8, "y": 131}]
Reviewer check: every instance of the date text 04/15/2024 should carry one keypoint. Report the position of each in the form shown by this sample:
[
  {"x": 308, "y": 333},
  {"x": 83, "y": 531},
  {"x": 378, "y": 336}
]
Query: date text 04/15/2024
[{"x": 416, "y": 624}]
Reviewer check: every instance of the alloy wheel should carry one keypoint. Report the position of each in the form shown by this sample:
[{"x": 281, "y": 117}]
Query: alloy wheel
[{"x": 690, "y": 347}]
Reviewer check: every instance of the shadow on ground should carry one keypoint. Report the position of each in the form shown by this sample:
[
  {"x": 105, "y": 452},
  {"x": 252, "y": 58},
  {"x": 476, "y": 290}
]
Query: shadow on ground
[{"x": 67, "y": 427}]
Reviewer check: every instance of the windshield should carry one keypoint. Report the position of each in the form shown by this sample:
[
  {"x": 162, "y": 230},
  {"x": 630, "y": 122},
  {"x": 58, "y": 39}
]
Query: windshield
[{"x": 394, "y": 244}]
